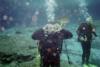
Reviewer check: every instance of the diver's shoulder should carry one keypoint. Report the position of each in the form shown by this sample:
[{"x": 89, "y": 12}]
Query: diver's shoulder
[{"x": 63, "y": 30}]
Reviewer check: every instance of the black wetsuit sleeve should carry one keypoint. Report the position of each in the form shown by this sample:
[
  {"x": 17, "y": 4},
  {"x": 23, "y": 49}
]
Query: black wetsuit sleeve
[
  {"x": 67, "y": 34},
  {"x": 37, "y": 34},
  {"x": 78, "y": 30},
  {"x": 93, "y": 30},
  {"x": 94, "y": 33}
]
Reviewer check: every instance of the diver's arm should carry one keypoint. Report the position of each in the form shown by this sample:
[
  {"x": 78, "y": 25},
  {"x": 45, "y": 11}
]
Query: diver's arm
[
  {"x": 67, "y": 34},
  {"x": 78, "y": 30},
  {"x": 94, "y": 32},
  {"x": 37, "y": 35}
]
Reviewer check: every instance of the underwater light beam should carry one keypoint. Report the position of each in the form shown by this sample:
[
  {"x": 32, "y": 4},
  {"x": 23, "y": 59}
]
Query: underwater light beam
[{"x": 50, "y": 10}]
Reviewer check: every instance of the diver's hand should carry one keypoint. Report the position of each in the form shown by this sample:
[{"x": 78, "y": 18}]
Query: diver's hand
[{"x": 83, "y": 39}]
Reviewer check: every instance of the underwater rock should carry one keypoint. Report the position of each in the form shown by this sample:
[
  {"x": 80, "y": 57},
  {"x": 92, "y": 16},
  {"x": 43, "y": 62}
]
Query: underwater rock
[
  {"x": 8, "y": 58},
  {"x": 18, "y": 32},
  {"x": 4, "y": 37},
  {"x": 23, "y": 58}
]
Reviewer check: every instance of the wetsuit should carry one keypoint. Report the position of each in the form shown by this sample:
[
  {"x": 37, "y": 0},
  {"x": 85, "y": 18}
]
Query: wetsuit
[
  {"x": 50, "y": 46},
  {"x": 86, "y": 29}
]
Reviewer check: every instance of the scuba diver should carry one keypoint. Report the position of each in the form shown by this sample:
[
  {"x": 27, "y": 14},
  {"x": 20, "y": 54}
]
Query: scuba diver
[
  {"x": 50, "y": 39},
  {"x": 85, "y": 34}
]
